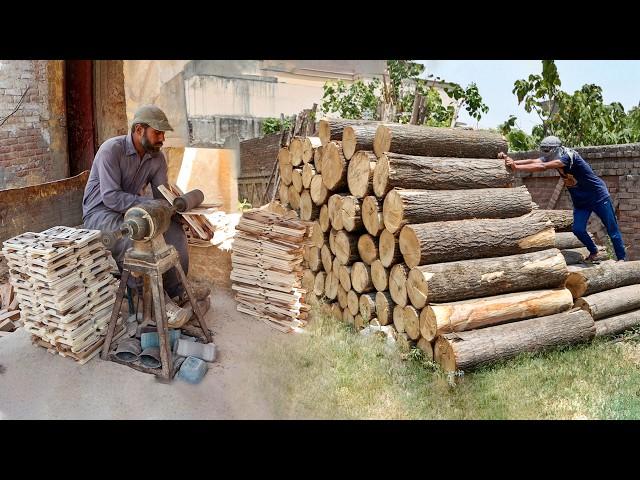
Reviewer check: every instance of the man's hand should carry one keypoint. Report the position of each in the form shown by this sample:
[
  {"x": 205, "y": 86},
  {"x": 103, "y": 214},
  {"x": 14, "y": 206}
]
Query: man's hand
[{"x": 508, "y": 161}]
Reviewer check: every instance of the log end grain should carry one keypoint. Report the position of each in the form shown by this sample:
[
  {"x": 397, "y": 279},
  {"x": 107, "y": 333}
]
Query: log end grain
[
  {"x": 361, "y": 277},
  {"x": 372, "y": 215},
  {"x": 398, "y": 284},
  {"x": 426, "y": 347},
  {"x": 368, "y": 248},
  {"x": 428, "y": 324},
  {"x": 380, "y": 276},
  {"x": 323, "y": 218},
  {"x": 411, "y": 321},
  {"x": 348, "y": 142},
  {"x": 381, "y": 176},
  {"x": 359, "y": 174},
  {"x": 393, "y": 211},
  {"x": 353, "y": 302},
  {"x": 382, "y": 140},
  {"x": 409, "y": 246},
  {"x": 417, "y": 288}
]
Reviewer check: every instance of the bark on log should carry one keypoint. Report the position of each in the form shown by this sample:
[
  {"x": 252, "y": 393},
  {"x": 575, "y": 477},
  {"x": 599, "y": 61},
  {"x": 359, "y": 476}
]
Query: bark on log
[
  {"x": 452, "y": 281},
  {"x": 467, "y": 350},
  {"x": 346, "y": 247},
  {"x": 325, "y": 223},
  {"x": 283, "y": 193},
  {"x": 334, "y": 167},
  {"x": 353, "y": 302},
  {"x": 482, "y": 312},
  {"x": 562, "y": 219},
  {"x": 344, "y": 273},
  {"x": 398, "y": 284},
  {"x": 437, "y": 141},
  {"x": 294, "y": 197},
  {"x": 332, "y": 128},
  {"x": 318, "y": 236},
  {"x": 611, "y": 302},
  {"x": 367, "y": 306},
  {"x": 360, "y": 173},
  {"x": 357, "y": 137},
  {"x": 372, "y": 216},
  {"x": 309, "y": 146},
  {"x": 351, "y": 211},
  {"x": 327, "y": 258},
  {"x": 587, "y": 280},
  {"x": 411, "y": 321},
  {"x": 315, "y": 260},
  {"x": 318, "y": 285},
  {"x": 398, "y": 318},
  {"x": 308, "y": 171},
  {"x": 319, "y": 193},
  {"x": 384, "y": 308},
  {"x": 438, "y": 242},
  {"x": 567, "y": 240},
  {"x": 380, "y": 276},
  {"x": 331, "y": 286},
  {"x": 295, "y": 151},
  {"x": 426, "y": 348},
  {"x": 368, "y": 248},
  {"x": 308, "y": 210},
  {"x": 434, "y": 173},
  {"x": 618, "y": 323},
  {"x": 296, "y": 179},
  {"x": 361, "y": 278},
  {"x": 389, "y": 249}
]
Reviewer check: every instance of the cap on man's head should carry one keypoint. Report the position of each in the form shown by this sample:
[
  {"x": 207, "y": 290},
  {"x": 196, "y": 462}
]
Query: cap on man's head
[
  {"x": 152, "y": 116},
  {"x": 549, "y": 143}
]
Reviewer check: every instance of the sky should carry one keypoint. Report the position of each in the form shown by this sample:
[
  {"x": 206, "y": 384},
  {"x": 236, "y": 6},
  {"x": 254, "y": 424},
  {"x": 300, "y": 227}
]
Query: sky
[{"x": 619, "y": 79}]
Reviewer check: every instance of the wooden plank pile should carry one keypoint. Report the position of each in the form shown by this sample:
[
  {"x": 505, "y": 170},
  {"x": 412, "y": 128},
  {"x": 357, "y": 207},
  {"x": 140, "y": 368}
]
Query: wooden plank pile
[
  {"x": 421, "y": 228},
  {"x": 9, "y": 311},
  {"x": 267, "y": 268},
  {"x": 65, "y": 289}
]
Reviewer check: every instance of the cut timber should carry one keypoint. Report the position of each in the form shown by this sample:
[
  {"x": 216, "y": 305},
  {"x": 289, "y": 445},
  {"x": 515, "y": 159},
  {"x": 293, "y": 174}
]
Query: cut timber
[
  {"x": 335, "y": 268},
  {"x": 296, "y": 179},
  {"x": 327, "y": 258},
  {"x": 437, "y": 242},
  {"x": 315, "y": 260},
  {"x": 368, "y": 248},
  {"x": 318, "y": 285},
  {"x": 380, "y": 276},
  {"x": 286, "y": 173},
  {"x": 567, "y": 240},
  {"x": 402, "y": 207},
  {"x": 411, "y": 322},
  {"x": 398, "y": 318},
  {"x": 334, "y": 167},
  {"x": 319, "y": 236},
  {"x": 347, "y": 317},
  {"x": 317, "y": 159},
  {"x": 334, "y": 206},
  {"x": 342, "y": 297},
  {"x": 309, "y": 146},
  {"x": 308, "y": 173},
  {"x": 579, "y": 255},
  {"x": 611, "y": 302},
  {"x": 584, "y": 280},
  {"x": 426, "y": 348},
  {"x": 295, "y": 151},
  {"x": 562, "y": 219},
  {"x": 357, "y": 137},
  {"x": 294, "y": 197},
  {"x": 308, "y": 280},
  {"x": 452, "y": 281},
  {"x": 359, "y": 322},
  {"x": 482, "y": 312},
  {"x": 389, "y": 248},
  {"x": 360, "y": 174},
  {"x": 325, "y": 222},
  {"x": 398, "y": 283},
  {"x": 331, "y": 286},
  {"x": 434, "y": 173},
  {"x": 438, "y": 141},
  {"x": 467, "y": 350},
  {"x": 346, "y": 247},
  {"x": 367, "y": 306},
  {"x": 344, "y": 273},
  {"x": 384, "y": 308},
  {"x": 351, "y": 211},
  {"x": 331, "y": 129},
  {"x": 372, "y": 215},
  {"x": 618, "y": 323},
  {"x": 283, "y": 192},
  {"x": 308, "y": 210},
  {"x": 319, "y": 193},
  {"x": 361, "y": 278},
  {"x": 353, "y": 302},
  {"x": 332, "y": 240}
]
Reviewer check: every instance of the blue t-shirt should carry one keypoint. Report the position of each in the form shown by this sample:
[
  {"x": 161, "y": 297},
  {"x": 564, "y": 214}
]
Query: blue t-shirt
[{"x": 590, "y": 189}]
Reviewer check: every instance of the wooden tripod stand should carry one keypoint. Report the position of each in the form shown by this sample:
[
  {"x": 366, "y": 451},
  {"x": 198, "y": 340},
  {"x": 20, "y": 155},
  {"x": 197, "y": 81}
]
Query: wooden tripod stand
[{"x": 151, "y": 259}]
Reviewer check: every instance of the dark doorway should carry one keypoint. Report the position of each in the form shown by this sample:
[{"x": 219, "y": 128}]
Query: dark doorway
[{"x": 80, "y": 115}]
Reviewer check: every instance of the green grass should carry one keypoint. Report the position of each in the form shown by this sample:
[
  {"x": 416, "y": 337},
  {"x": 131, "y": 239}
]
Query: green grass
[{"x": 330, "y": 372}]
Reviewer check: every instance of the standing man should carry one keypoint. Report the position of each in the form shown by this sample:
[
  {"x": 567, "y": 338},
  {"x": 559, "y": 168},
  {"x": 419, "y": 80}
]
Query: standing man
[{"x": 589, "y": 193}]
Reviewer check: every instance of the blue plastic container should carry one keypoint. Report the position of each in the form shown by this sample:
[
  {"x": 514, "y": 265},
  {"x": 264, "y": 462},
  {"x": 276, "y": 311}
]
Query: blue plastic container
[
  {"x": 193, "y": 370},
  {"x": 151, "y": 339}
]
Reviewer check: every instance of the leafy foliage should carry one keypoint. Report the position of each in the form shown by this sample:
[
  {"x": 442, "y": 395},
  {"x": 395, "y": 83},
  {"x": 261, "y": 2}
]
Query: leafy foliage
[{"x": 274, "y": 125}]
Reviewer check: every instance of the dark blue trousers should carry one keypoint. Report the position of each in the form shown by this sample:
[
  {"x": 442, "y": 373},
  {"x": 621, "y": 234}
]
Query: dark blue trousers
[{"x": 604, "y": 210}]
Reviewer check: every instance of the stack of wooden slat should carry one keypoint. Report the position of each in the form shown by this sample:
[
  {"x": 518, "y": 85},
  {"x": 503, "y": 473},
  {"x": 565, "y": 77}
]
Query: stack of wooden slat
[
  {"x": 610, "y": 292},
  {"x": 267, "y": 268},
  {"x": 421, "y": 228},
  {"x": 62, "y": 278},
  {"x": 9, "y": 312}
]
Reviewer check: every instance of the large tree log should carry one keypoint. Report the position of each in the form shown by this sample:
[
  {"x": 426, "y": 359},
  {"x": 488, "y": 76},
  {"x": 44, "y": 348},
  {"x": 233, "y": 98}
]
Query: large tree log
[
  {"x": 578, "y": 255},
  {"x": 319, "y": 193},
  {"x": 346, "y": 247},
  {"x": 618, "y": 323},
  {"x": 467, "y": 350},
  {"x": 318, "y": 285},
  {"x": 587, "y": 280},
  {"x": 482, "y": 312},
  {"x": 389, "y": 248},
  {"x": 332, "y": 128},
  {"x": 380, "y": 276},
  {"x": 332, "y": 240},
  {"x": 309, "y": 147},
  {"x": 286, "y": 173},
  {"x": 296, "y": 179},
  {"x": 308, "y": 171},
  {"x": 411, "y": 321},
  {"x": 398, "y": 318},
  {"x": 283, "y": 192},
  {"x": 360, "y": 173},
  {"x": 357, "y": 137},
  {"x": 334, "y": 167},
  {"x": 351, "y": 211},
  {"x": 317, "y": 159},
  {"x": 611, "y": 302},
  {"x": 384, "y": 308},
  {"x": 361, "y": 278},
  {"x": 367, "y": 306},
  {"x": 353, "y": 302},
  {"x": 368, "y": 248},
  {"x": 294, "y": 197},
  {"x": 327, "y": 258},
  {"x": 433, "y": 173},
  {"x": 325, "y": 222},
  {"x": 426, "y": 347},
  {"x": 344, "y": 274},
  {"x": 315, "y": 260},
  {"x": 334, "y": 206},
  {"x": 437, "y": 141},
  {"x": 331, "y": 286},
  {"x": 402, "y": 207},
  {"x": 372, "y": 215},
  {"x": 452, "y": 281},
  {"x": 562, "y": 219},
  {"x": 465, "y": 239},
  {"x": 567, "y": 240},
  {"x": 295, "y": 151},
  {"x": 335, "y": 267},
  {"x": 398, "y": 283},
  {"x": 318, "y": 236},
  {"x": 308, "y": 210}
]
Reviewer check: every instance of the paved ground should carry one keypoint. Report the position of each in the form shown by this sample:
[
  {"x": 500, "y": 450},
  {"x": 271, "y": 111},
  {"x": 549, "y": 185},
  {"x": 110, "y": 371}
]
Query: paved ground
[{"x": 36, "y": 384}]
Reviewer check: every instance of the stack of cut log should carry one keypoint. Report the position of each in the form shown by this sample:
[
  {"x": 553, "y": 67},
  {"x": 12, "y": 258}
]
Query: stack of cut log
[
  {"x": 9, "y": 312},
  {"x": 267, "y": 268},
  {"x": 421, "y": 228},
  {"x": 610, "y": 292},
  {"x": 63, "y": 282}
]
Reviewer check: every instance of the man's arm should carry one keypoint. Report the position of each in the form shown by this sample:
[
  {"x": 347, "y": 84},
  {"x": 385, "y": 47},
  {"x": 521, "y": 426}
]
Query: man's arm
[
  {"x": 530, "y": 164},
  {"x": 113, "y": 196}
]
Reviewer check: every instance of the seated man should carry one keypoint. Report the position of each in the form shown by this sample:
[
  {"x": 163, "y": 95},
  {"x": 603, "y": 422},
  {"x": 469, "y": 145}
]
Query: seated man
[{"x": 121, "y": 170}]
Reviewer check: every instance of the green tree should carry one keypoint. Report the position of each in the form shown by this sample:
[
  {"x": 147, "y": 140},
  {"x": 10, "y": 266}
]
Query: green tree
[{"x": 274, "y": 125}]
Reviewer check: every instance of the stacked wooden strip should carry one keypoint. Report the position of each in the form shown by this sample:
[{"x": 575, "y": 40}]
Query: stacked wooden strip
[
  {"x": 9, "y": 311},
  {"x": 65, "y": 289},
  {"x": 267, "y": 268}
]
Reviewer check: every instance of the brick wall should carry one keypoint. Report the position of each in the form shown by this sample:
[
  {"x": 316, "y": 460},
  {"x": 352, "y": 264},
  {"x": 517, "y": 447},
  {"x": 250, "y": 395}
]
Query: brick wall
[
  {"x": 26, "y": 138},
  {"x": 619, "y": 167}
]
